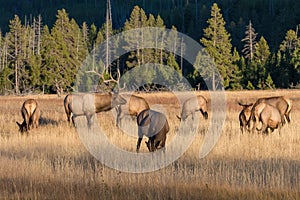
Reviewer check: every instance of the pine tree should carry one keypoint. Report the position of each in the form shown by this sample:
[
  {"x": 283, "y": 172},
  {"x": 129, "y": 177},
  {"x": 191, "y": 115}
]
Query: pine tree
[
  {"x": 288, "y": 49},
  {"x": 237, "y": 76},
  {"x": 17, "y": 51},
  {"x": 260, "y": 59},
  {"x": 250, "y": 86},
  {"x": 138, "y": 19},
  {"x": 64, "y": 51},
  {"x": 92, "y": 36},
  {"x": 217, "y": 43},
  {"x": 269, "y": 82},
  {"x": 250, "y": 42},
  {"x": 262, "y": 52},
  {"x": 290, "y": 43}
]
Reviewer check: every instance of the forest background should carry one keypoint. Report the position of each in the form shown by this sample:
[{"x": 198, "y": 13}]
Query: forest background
[{"x": 254, "y": 44}]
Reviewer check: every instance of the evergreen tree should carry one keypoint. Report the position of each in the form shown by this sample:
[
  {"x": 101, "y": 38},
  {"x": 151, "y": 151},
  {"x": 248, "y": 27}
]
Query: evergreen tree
[
  {"x": 92, "y": 36},
  {"x": 64, "y": 52},
  {"x": 18, "y": 40},
  {"x": 262, "y": 52},
  {"x": 250, "y": 86},
  {"x": 138, "y": 19},
  {"x": 237, "y": 76},
  {"x": 290, "y": 43},
  {"x": 288, "y": 49},
  {"x": 269, "y": 82},
  {"x": 260, "y": 59},
  {"x": 216, "y": 41}
]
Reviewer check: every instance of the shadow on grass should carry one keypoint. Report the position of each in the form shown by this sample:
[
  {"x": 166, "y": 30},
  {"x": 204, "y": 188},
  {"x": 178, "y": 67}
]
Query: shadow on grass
[{"x": 46, "y": 121}]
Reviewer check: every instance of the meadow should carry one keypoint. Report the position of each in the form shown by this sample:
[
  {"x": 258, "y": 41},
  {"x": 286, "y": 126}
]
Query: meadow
[{"x": 51, "y": 162}]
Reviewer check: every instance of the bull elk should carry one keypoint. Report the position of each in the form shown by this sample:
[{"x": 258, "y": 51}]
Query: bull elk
[
  {"x": 89, "y": 104},
  {"x": 133, "y": 107},
  {"x": 244, "y": 115},
  {"x": 155, "y": 126},
  {"x": 31, "y": 114},
  {"x": 268, "y": 115},
  {"x": 192, "y": 105}
]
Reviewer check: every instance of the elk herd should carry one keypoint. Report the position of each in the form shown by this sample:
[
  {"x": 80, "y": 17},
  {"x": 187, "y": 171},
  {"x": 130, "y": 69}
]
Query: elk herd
[
  {"x": 264, "y": 115},
  {"x": 270, "y": 113}
]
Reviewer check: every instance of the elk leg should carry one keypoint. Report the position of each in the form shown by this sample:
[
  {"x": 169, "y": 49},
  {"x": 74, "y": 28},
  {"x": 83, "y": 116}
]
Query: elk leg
[
  {"x": 152, "y": 145},
  {"x": 138, "y": 144},
  {"x": 288, "y": 117},
  {"x": 68, "y": 116},
  {"x": 89, "y": 120},
  {"x": 118, "y": 118},
  {"x": 264, "y": 128},
  {"x": 193, "y": 115},
  {"x": 148, "y": 144},
  {"x": 204, "y": 114},
  {"x": 73, "y": 119},
  {"x": 26, "y": 120},
  {"x": 157, "y": 144}
]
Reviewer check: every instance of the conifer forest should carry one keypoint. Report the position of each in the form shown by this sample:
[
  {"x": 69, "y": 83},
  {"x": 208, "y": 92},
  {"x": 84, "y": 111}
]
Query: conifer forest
[{"x": 254, "y": 44}]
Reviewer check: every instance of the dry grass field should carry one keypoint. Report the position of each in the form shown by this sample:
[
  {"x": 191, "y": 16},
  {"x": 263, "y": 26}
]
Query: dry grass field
[{"x": 52, "y": 163}]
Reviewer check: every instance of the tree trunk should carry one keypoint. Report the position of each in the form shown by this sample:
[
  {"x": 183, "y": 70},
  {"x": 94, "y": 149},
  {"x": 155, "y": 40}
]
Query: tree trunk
[
  {"x": 213, "y": 82},
  {"x": 16, "y": 66}
]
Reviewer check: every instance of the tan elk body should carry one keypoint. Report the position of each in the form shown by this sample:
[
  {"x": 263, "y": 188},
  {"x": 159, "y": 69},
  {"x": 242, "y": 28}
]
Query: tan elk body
[
  {"x": 89, "y": 104},
  {"x": 133, "y": 107},
  {"x": 268, "y": 115},
  {"x": 283, "y": 105},
  {"x": 244, "y": 115},
  {"x": 31, "y": 114},
  {"x": 192, "y": 105},
  {"x": 155, "y": 126}
]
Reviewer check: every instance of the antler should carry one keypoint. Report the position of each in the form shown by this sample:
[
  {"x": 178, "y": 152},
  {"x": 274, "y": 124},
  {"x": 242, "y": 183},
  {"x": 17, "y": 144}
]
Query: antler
[{"x": 111, "y": 78}]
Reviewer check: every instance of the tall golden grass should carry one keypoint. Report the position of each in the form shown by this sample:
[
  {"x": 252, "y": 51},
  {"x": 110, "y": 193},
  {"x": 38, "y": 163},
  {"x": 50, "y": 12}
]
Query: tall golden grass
[{"x": 52, "y": 163}]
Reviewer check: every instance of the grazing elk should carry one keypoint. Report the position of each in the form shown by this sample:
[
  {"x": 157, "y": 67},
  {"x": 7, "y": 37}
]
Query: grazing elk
[
  {"x": 89, "y": 104},
  {"x": 155, "y": 126},
  {"x": 133, "y": 107},
  {"x": 31, "y": 115},
  {"x": 283, "y": 105},
  {"x": 268, "y": 115},
  {"x": 192, "y": 105},
  {"x": 244, "y": 115}
]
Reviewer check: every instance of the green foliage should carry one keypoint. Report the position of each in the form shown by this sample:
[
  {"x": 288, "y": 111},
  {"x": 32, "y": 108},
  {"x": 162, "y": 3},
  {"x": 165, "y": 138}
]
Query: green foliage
[
  {"x": 64, "y": 51},
  {"x": 32, "y": 60},
  {"x": 289, "y": 56},
  {"x": 250, "y": 86},
  {"x": 269, "y": 82},
  {"x": 217, "y": 43},
  {"x": 5, "y": 84}
]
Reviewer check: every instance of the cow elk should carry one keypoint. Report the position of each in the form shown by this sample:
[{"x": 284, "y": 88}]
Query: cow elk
[
  {"x": 155, "y": 126},
  {"x": 283, "y": 105},
  {"x": 268, "y": 115},
  {"x": 31, "y": 114},
  {"x": 192, "y": 105},
  {"x": 244, "y": 115},
  {"x": 133, "y": 107}
]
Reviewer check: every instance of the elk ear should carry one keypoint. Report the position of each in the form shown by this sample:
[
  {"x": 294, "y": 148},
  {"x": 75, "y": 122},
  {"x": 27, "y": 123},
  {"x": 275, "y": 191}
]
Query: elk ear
[
  {"x": 240, "y": 104},
  {"x": 20, "y": 125}
]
